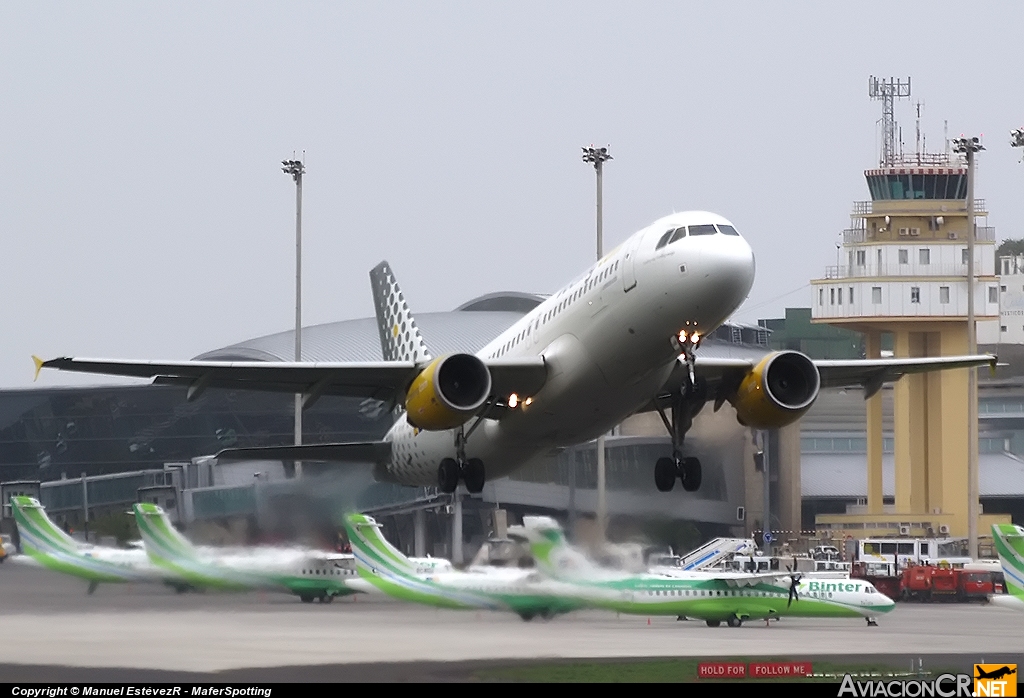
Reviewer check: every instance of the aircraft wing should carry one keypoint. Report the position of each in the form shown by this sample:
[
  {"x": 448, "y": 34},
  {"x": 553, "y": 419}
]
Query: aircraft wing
[
  {"x": 381, "y": 380},
  {"x": 723, "y": 375}
]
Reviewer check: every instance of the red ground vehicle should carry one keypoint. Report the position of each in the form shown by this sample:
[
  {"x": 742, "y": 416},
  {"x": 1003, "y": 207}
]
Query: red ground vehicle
[{"x": 928, "y": 583}]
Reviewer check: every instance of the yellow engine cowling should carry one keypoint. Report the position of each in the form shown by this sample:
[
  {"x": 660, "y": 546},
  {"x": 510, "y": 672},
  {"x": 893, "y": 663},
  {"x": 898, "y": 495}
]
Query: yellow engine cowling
[
  {"x": 446, "y": 393},
  {"x": 778, "y": 391}
]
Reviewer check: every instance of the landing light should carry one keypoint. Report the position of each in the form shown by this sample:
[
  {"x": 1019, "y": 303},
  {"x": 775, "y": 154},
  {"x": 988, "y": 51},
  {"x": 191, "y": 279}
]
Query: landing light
[
  {"x": 527, "y": 402},
  {"x": 686, "y": 338},
  {"x": 513, "y": 400}
]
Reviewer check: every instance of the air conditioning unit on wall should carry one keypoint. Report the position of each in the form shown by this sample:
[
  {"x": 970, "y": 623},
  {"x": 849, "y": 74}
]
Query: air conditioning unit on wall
[
  {"x": 943, "y": 529},
  {"x": 904, "y": 530}
]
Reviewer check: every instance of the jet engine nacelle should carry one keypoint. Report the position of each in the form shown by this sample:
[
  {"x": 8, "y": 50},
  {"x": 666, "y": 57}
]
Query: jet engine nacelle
[
  {"x": 446, "y": 393},
  {"x": 778, "y": 391}
]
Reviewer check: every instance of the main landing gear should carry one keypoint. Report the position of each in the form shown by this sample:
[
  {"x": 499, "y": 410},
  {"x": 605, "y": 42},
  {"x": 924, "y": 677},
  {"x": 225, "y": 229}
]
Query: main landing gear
[
  {"x": 685, "y": 407},
  {"x": 469, "y": 470}
]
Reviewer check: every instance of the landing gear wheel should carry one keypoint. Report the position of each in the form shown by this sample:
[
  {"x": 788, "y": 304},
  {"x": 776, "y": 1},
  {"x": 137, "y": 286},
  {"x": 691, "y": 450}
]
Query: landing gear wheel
[
  {"x": 448, "y": 475},
  {"x": 473, "y": 475},
  {"x": 691, "y": 473},
  {"x": 735, "y": 622},
  {"x": 872, "y": 623},
  {"x": 306, "y": 598},
  {"x": 329, "y": 598},
  {"x": 713, "y": 623},
  {"x": 526, "y": 616},
  {"x": 665, "y": 474}
]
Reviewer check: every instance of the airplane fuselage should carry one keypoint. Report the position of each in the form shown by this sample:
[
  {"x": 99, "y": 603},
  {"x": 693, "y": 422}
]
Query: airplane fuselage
[{"x": 610, "y": 341}]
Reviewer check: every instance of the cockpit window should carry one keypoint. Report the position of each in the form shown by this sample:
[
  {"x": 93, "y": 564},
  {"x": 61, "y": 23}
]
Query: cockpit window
[
  {"x": 727, "y": 230},
  {"x": 678, "y": 234},
  {"x": 702, "y": 230},
  {"x": 664, "y": 239}
]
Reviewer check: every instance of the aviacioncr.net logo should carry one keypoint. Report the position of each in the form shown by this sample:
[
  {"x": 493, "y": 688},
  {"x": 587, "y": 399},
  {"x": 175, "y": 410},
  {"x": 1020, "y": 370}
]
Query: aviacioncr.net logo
[{"x": 945, "y": 686}]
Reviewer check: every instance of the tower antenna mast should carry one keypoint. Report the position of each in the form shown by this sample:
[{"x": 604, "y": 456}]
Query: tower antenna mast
[{"x": 887, "y": 91}]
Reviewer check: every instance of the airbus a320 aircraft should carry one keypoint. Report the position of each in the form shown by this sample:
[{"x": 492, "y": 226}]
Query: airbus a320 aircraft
[{"x": 621, "y": 338}]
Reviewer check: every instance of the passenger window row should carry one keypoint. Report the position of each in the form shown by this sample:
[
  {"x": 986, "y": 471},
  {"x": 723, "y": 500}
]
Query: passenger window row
[{"x": 562, "y": 305}]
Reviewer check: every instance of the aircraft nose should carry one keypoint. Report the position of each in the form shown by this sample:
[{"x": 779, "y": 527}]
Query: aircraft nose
[{"x": 727, "y": 268}]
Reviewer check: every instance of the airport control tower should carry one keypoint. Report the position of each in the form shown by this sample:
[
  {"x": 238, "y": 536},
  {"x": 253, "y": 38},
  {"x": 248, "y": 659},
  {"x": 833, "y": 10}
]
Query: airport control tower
[{"x": 903, "y": 270}]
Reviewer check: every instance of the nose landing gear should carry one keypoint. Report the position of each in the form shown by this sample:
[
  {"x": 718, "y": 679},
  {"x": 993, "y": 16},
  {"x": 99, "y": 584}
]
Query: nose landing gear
[{"x": 685, "y": 406}]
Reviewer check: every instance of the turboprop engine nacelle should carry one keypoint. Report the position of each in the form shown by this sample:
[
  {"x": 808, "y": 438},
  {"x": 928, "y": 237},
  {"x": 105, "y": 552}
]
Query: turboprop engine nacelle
[
  {"x": 777, "y": 391},
  {"x": 447, "y": 392}
]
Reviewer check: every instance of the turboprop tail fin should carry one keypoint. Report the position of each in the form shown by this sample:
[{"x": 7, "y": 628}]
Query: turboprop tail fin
[
  {"x": 552, "y": 552},
  {"x": 164, "y": 544},
  {"x": 372, "y": 551},
  {"x": 1009, "y": 543},
  {"x": 39, "y": 535}
]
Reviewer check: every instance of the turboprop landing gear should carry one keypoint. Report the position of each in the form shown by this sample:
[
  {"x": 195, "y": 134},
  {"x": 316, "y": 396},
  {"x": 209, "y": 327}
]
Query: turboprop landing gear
[
  {"x": 872, "y": 623},
  {"x": 735, "y": 622},
  {"x": 469, "y": 470}
]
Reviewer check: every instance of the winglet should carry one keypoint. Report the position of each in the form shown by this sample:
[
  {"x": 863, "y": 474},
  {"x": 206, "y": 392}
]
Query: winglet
[{"x": 39, "y": 366}]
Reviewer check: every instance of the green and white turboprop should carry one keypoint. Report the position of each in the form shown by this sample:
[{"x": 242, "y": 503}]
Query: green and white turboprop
[
  {"x": 309, "y": 574},
  {"x": 1009, "y": 542},
  {"x": 521, "y": 591},
  {"x": 46, "y": 544},
  {"x": 709, "y": 596}
]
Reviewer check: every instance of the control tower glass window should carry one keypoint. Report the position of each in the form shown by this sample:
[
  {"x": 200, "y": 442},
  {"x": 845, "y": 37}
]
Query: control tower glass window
[{"x": 890, "y": 186}]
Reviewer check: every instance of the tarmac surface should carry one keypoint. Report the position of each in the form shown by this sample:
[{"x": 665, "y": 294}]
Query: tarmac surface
[{"x": 52, "y": 630}]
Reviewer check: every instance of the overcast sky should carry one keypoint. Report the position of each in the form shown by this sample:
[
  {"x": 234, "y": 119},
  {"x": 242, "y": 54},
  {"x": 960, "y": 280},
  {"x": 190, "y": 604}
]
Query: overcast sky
[{"x": 144, "y": 214}]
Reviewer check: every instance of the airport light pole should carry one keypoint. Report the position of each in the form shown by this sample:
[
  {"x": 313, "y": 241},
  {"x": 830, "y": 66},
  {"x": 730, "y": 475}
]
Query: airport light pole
[
  {"x": 597, "y": 157},
  {"x": 296, "y": 169},
  {"x": 969, "y": 147}
]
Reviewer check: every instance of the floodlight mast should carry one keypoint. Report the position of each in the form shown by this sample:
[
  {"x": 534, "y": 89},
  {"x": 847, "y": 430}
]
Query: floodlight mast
[
  {"x": 1017, "y": 138},
  {"x": 296, "y": 169},
  {"x": 597, "y": 157},
  {"x": 969, "y": 147}
]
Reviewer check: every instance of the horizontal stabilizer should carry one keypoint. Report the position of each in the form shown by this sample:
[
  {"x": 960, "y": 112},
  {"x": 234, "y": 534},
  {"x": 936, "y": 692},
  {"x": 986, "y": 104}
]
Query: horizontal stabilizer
[{"x": 353, "y": 452}]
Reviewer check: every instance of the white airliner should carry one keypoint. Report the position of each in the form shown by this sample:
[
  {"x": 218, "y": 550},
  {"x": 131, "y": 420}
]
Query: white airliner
[{"x": 621, "y": 338}]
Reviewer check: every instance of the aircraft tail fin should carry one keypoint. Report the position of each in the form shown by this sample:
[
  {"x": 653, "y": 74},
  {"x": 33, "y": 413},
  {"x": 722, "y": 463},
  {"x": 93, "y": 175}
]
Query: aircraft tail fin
[
  {"x": 372, "y": 550},
  {"x": 164, "y": 544},
  {"x": 552, "y": 552},
  {"x": 400, "y": 338},
  {"x": 38, "y": 534},
  {"x": 1009, "y": 544}
]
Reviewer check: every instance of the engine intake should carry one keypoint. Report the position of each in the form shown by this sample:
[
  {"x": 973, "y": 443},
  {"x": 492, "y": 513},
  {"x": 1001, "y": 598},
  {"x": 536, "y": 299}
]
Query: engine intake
[
  {"x": 447, "y": 392},
  {"x": 778, "y": 391}
]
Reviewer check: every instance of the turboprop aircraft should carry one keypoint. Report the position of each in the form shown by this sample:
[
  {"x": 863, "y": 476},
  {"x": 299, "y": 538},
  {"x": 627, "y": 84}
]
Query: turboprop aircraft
[
  {"x": 1009, "y": 543},
  {"x": 622, "y": 337},
  {"x": 309, "y": 574},
  {"x": 713, "y": 597},
  {"x": 522, "y": 591},
  {"x": 45, "y": 543}
]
